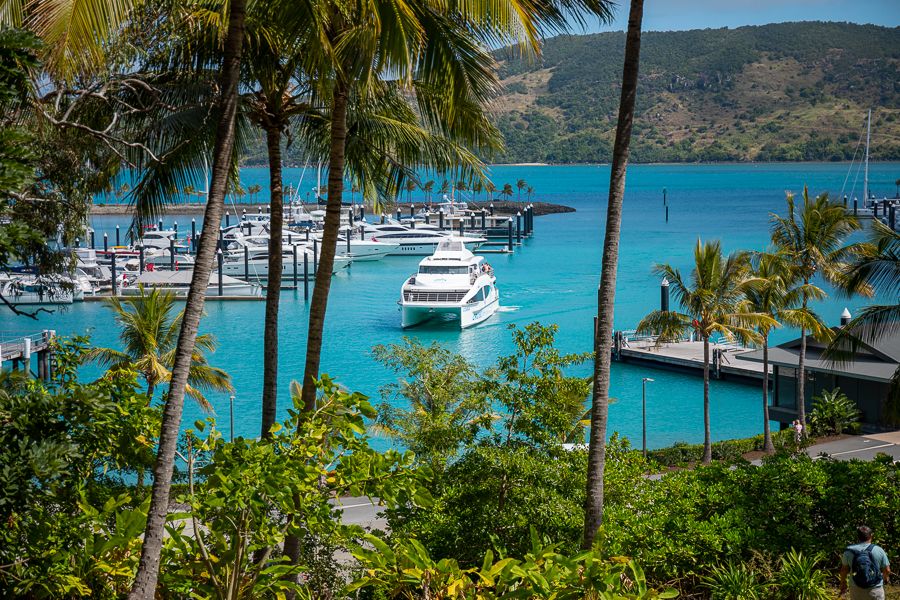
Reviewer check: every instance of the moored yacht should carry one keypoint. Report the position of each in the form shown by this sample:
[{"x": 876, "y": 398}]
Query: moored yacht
[
  {"x": 416, "y": 241},
  {"x": 452, "y": 284}
]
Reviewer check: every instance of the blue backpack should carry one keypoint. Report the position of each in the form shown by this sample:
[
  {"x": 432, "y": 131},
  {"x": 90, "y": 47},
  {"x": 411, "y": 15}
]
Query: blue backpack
[{"x": 866, "y": 573}]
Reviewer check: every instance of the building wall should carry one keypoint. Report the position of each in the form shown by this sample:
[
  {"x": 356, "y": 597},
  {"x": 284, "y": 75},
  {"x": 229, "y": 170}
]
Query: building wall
[{"x": 869, "y": 396}]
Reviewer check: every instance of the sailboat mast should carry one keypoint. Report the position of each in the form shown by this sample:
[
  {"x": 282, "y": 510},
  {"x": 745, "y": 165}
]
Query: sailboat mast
[{"x": 866, "y": 175}]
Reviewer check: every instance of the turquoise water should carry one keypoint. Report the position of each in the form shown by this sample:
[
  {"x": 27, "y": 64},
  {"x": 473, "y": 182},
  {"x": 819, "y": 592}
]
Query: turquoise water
[{"x": 552, "y": 279}]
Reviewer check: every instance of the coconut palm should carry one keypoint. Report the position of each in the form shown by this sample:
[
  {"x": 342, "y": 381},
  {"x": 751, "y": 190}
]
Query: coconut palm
[
  {"x": 530, "y": 192},
  {"x": 428, "y": 188},
  {"x": 772, "y": 290},
  {"x": 520, "y": 185},
  {"x": 714, "y": 302},
  {"x": 876, "y": 265},
  {"x": 812, "y": 238},
  {"x": 491, "y": 189},
  {"x": 410, "y": 187},
  {"x": 144, "y": 585},
  {"x": 148, "y": 330},
  {"x": 253, "y": 190},
  {"x": 507, "y": 191},
  {"x": 606, "y": 291}
]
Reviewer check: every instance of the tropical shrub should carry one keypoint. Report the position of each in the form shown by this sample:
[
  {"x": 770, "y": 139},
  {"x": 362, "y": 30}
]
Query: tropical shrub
[
  {"x": 729, "y": 451},
  {"x": 800, "y": 577},
  {"x": 68, "y": 453},
  {"x": 405, "y": 570},
  {"x": 833, "y": 413},
  {"x": 733, "y": 581}
]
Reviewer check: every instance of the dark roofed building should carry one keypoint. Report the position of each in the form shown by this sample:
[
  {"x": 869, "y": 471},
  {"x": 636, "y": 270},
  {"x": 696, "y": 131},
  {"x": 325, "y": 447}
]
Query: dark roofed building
[{"x": 866, "y": 379}]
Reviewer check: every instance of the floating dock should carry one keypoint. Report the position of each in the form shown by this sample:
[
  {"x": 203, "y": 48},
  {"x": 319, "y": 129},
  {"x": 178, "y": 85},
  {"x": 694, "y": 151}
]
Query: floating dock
[
  {"x": 687, "y": 356},
  {"x": 20, "y": 350}
]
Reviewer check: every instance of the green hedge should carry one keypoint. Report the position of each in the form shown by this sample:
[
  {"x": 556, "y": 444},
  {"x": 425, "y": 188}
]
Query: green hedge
[{"x": 729, "y": 451}]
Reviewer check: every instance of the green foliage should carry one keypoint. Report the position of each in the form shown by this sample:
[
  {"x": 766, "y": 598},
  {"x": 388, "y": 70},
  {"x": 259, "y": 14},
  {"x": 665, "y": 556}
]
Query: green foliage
[
  {"x": 239, "y": 510},
  {"x": 66, "y": 451},
  {"x": 494, "y": 493},
  {"x": 734, "y": 582},
  {"x": 405, "y": 570},
  {"x": 448, "y": 405},
  {"x": 728, "y": 451},
  {"x": 833, "y": 413},
  {"x": 679, "y": 525},
  {"x": 800, "y": 577}
]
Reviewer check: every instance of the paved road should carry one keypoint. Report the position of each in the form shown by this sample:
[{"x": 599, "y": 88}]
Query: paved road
[
  {"x": 361, "y": 511},
  {"x": 863, "y": 447}
]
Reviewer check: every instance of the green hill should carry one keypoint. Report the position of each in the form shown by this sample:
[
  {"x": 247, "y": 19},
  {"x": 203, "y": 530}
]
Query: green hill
[{"x": 790, "y": 91}]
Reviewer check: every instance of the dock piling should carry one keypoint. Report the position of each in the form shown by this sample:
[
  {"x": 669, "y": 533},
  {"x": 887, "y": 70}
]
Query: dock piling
[
  {"x": 492, "y": 208},
  {"x": 483, "y": 219},
  {"x": 294, "y": 252},
  {"x": 399, "y": 214},
  {"x": 112, "y": 270},
  {"x": 305, "y": 275},
  {"x": 412, "y": 210},
  {"x": 194, "y": 236},
  {"x": 348, "y": 242},
  {"x": 315, "y": 256},
  {"x": 105, "y": 242},
  {"x": 892, "y": 211},
  {"x": 855, "y": 207},
  {"x": 92, "y": 237},
  {"x": 141, "y": 259},
  {"x": 664, "y": 295},
  {"x": 171, "y": 254},
  {"x": 160, "y": 225},
  {"x": 246, "y": 263},
  {"x": 518, "y": 228},
  {"x": 509, "y": 226},
  {"x": 175, "y": 229},
  {"x": 227, "y": 218},
  {"x": 441, "y": 219},
  {"x": 118, "y": 237},
  {"x": 462, "y": 226}
]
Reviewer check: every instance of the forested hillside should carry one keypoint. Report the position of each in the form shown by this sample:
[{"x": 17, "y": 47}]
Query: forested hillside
[{"x": 792, "y": 91}]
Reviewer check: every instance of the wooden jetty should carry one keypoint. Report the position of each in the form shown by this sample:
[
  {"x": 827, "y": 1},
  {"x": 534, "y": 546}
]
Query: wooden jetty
[
  {"x": 20, "y": 350},
  {"x": 686, "y": 356}
]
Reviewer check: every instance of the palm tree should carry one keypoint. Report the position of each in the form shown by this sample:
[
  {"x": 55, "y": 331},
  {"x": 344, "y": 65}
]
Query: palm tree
[
  {"x": 771, "y": 291},
  {"x": 410, "y": 188},
  {"x": 875, "y": 266},
  {"x": 521, "y": 185},
  {"x": 491, "y": 189},
  {"x": 428, "y": 188},
  {"x": 714, "y": 303},
  {"x": 144, "y": 586},
  {"x": 445, "y": 187},
  {"x": 530, "y": 192},
  {"x": 606, "y": 291},
  {"x": 812, "y": 240},
  {"x": 254, "y": 190},
  {"x": 506, "y": 191},
  {"x": 477, "y": 187},
  {"x": 148, "y": 329}
]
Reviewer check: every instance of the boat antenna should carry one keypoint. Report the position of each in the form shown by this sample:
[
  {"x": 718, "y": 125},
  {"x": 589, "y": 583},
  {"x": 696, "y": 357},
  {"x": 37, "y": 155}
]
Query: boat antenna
[{"x": 866, "y": 176}]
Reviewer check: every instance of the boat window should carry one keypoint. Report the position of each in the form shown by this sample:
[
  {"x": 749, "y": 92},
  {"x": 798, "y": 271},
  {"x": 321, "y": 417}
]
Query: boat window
[{"x": 442, "y": 270}]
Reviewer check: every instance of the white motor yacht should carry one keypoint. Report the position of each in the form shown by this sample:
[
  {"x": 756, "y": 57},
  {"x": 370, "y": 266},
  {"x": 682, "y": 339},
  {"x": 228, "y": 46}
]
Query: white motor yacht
[
  {"x": 416, "y": 242},
  {"x": 161, "y": 239},
  {"x": 28, "y": 289},
  {"x": 256, "y": 265},
  {"x": 179, "y": 284},
  {"x": 452, "y": 284}
]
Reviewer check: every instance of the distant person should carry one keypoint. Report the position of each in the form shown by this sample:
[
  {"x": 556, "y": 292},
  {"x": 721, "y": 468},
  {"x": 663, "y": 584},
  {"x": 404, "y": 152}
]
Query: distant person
[
  {"x": 868, "y": 567},
  {"x": 798, "y": 430}
]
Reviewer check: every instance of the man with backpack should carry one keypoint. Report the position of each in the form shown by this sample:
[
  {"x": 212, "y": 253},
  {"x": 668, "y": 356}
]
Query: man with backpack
[{"x": 868, "y": 567}]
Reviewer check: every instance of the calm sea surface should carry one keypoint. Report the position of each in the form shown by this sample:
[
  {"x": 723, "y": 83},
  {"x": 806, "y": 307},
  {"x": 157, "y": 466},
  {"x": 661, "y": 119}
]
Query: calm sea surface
[{"x": 552, "y": 279}]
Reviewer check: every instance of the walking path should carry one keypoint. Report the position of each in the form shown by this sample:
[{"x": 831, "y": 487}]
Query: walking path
[{"x": 859, "y": 447}]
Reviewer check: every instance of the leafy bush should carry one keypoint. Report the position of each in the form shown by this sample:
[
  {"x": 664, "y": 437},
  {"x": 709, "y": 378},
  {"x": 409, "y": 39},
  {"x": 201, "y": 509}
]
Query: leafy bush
[
  {"x": 405, "y": 570},
  {"x": 729, "y": 451},
  {"x": 734, "y": 582},
  {"x": 833, "y": 413},
  {"x": 800, "y": 578}
]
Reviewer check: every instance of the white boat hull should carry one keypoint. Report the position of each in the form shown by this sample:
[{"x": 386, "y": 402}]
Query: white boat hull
[
  {"x": 259, "y": 270},
  {"x": 250, "y": 290},
  {"x": 426, "y": 249},
  {"x": 466, "y": 315}
]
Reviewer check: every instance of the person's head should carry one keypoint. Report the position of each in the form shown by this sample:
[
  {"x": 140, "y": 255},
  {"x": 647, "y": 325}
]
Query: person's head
[{"x": 863, "y": 534}]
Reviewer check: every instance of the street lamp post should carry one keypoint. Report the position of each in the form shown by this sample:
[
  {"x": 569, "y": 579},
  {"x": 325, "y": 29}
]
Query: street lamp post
[
  {"x": 231, "y": 414},
  {"x": 644, "y": 413}
]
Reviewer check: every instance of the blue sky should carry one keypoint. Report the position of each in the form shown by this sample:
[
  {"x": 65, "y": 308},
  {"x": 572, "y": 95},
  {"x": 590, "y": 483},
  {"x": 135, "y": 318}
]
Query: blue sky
[{"x": 663, "y": 15}]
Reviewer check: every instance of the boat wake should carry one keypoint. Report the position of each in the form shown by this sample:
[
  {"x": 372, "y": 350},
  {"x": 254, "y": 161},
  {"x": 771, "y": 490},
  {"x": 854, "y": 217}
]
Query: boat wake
[{"x": 508, "y": 308}]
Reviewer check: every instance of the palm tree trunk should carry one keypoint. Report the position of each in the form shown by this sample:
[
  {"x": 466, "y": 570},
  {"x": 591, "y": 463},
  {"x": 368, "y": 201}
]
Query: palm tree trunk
[
  {"x": 606, "y": 293},
  {"x": 273, "y": 289},
  {"x": 801, "y": 374},
  {"x": 144, "y": 586},
  {"x": 332, "y": 224},
  {"x": 319, "y": 302},
  {"x": 707, "y": 434},
  {"x": 768, "y": 446}
]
